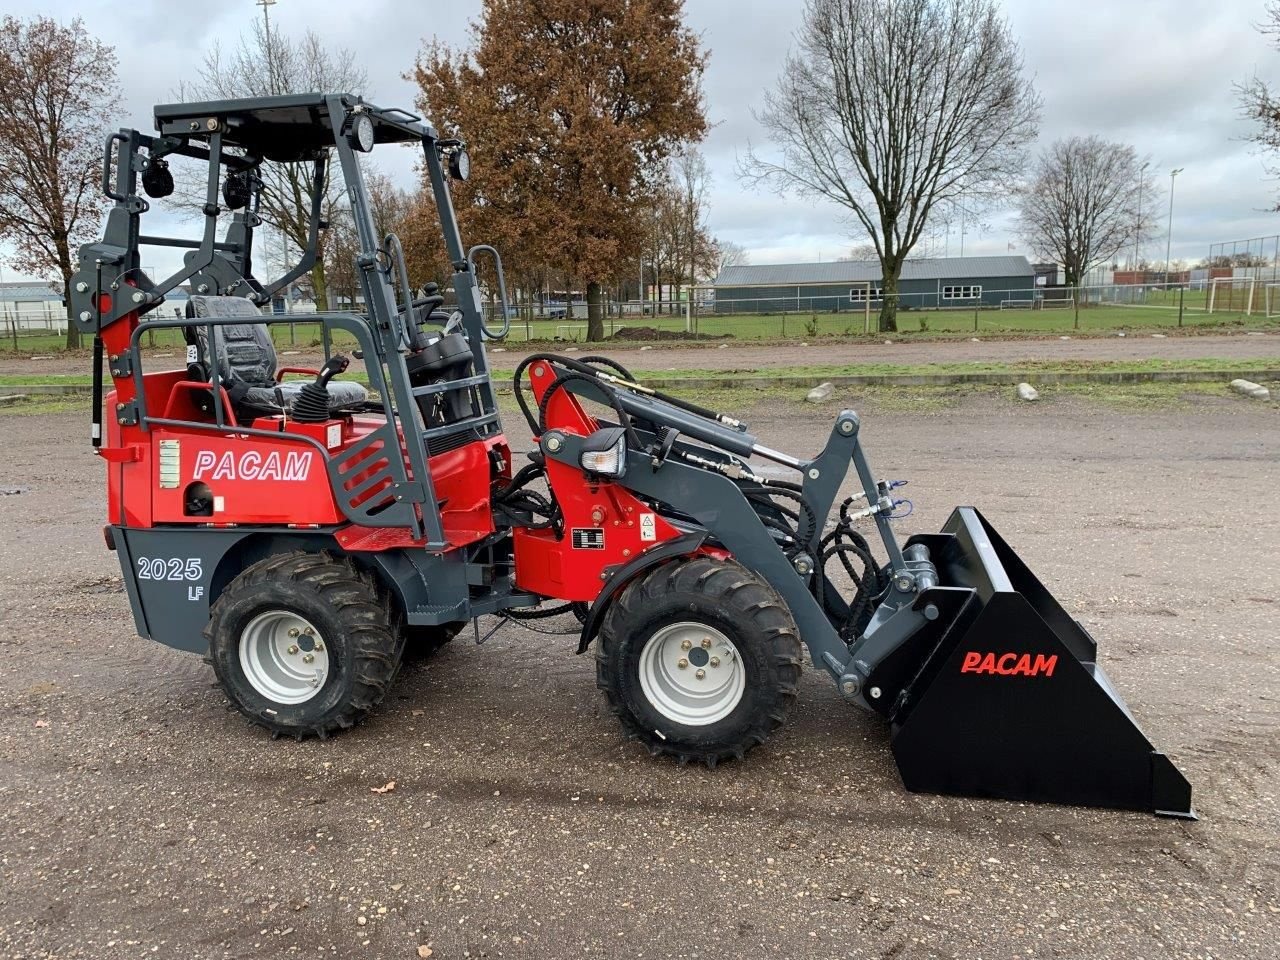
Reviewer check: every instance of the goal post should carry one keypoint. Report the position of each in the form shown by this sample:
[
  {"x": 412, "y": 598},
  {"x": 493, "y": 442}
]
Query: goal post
[
  {"x": 860, "y": 292},
  {"x": 1057, "y": 303},
  {"x": 1232, "y": 295},
  {"x": 1271, "y": 300}
]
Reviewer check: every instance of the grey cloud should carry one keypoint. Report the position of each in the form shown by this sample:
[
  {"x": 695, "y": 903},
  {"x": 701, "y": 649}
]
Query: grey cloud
[{"x": 1158, "y": 76}]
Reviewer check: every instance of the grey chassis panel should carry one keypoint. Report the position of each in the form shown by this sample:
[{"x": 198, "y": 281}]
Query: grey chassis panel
[{"x": 173, "y": 575}]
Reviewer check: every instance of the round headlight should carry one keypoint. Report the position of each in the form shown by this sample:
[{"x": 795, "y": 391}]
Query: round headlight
[
  {"x": 460, "y": 164},
  {"x": 361, "y": 136}
]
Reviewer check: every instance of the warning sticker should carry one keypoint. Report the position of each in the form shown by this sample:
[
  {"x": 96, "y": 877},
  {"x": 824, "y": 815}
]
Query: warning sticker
[
  {"x": 588, "y": 538},
  {"x": 648, "y": 527}
]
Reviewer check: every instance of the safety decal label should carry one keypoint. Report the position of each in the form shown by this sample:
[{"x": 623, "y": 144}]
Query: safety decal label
[
  {"x": 648, "y": 527},
  {"x": 588, "y": 538}
]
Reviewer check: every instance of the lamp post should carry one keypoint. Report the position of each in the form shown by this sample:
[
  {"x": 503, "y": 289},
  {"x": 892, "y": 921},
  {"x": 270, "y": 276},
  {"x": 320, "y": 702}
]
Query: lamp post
[
  {"x": 1137, "y": 233},
  {"x": 1168, "y": 243}
]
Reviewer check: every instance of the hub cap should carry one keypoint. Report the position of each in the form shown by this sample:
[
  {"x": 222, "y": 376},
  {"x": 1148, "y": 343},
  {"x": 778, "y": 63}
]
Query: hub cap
[
  {"x": 691, "y": 673},
  {"x": 284, "y": 657}
]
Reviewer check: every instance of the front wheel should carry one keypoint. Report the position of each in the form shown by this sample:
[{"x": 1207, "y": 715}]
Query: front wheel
[
  {"x": 699, "y": 659},
  {"x": 303, "y": 643}
]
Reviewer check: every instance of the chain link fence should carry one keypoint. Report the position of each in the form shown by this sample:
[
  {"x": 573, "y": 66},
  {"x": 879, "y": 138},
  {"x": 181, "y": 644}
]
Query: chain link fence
[
  {"x": 1218, "y": 302},
  {"x": 1099, "y": 307}
]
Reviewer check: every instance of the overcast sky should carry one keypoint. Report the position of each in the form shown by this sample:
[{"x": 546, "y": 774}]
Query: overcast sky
[{"x": 1158, "y": 75}]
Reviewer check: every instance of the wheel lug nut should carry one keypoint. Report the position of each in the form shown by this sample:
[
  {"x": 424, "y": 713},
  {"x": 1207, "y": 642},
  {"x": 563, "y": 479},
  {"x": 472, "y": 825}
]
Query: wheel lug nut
[
  {"x": 318, "y": 646},
  {"x": 310, "y": 632},
  {"x": 700, "y": 674},
  {"x": 706, "y": 643},
  {"x": 293, "y": 631},
  {"x": 715, "y": 661},
  {"x": 308, "y": 657},
  {"x": 682, "y": 663},
  {"x": 293, "y": 649},
  {"x": 686, "y": 644}
]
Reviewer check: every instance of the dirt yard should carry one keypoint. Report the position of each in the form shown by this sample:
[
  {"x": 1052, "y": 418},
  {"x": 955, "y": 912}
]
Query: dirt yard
[{"x": 144, "y": 820}]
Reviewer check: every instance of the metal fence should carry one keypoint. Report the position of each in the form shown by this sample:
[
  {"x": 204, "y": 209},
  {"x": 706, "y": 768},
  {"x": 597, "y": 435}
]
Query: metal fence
[
  {"x": 1040, "y": 309},
  {"x": 1219, "y": 302}
]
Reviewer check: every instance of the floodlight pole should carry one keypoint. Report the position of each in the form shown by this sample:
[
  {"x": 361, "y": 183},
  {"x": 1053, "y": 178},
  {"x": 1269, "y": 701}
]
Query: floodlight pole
[
  {"x": 1168, "y": 243},
  {"x": 1137, "y": 233}
]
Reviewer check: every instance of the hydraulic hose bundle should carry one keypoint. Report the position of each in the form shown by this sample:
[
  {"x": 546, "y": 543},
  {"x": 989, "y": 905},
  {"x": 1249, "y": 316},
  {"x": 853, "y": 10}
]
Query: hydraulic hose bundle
[{"x": 523, "y": 507}]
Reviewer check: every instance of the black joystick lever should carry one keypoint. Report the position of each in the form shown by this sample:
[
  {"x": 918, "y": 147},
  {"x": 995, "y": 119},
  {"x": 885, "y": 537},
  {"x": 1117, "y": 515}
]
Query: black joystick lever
[{"x": 312, "y": 405}]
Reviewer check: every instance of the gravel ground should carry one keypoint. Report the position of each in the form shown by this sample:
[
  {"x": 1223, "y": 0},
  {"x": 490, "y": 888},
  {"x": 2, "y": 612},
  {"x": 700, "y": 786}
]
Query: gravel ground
[
  {"x": 746, "y": 355},
  {"x": 143, "y": 820}
]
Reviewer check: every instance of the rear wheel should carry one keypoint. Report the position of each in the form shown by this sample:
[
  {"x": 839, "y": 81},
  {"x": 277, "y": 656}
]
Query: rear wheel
[
  {"x": 699, "y": 659},
  {"x": 303, "y": 643}
]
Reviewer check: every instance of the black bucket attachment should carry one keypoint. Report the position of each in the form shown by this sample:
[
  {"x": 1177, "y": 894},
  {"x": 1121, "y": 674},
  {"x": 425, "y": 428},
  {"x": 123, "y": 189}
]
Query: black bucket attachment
[{"x": 1009, "y": 700}]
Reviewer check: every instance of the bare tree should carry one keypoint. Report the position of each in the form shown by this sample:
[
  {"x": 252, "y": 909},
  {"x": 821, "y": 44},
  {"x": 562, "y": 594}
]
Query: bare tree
[
  {"x": 692, "y": 179},
  {"x": 268, "y": 63},
  {"x": 861, "y": 251},
  {"x": 390, "y": 207},
  {"x": 683, "y": 250},
  {"x": 1260, "y": 103},
  {"x": 1080, "y": 207},
  {"x": 730, "y": 254},
  {"x": 59, "y": 86},
  {"x": 890, "y": 107}
]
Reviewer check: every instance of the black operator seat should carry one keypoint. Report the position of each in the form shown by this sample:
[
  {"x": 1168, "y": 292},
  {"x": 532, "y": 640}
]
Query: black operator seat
[{"x": 247, "y": 362}]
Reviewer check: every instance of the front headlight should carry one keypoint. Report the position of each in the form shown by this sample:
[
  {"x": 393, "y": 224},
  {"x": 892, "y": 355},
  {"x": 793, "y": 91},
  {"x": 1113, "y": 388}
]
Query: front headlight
[{"x": 604, "y": 453}]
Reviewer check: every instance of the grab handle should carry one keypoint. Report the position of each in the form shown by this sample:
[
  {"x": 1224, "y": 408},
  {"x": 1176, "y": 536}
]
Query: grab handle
[
  {"x": 106, "y": 167},
  {"x": 502, "y": 289}
]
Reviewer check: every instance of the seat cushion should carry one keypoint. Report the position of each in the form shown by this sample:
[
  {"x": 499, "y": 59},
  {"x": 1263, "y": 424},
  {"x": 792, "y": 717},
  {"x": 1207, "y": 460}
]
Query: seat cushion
[{"x": 343, "y": 394}]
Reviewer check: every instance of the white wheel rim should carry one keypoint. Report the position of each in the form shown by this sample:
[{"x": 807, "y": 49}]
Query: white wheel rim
[
  {"x": 691, "y": 673},
  {"x": 284, "y": 657}
]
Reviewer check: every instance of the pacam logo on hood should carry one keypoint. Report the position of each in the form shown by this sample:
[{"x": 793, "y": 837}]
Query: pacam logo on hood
[{"x": 252, "y": 465}]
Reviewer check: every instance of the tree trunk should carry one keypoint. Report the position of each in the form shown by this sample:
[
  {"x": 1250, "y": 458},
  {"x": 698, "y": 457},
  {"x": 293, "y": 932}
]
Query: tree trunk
[
  {"x": 318, "y": 288},
  {"x": 889, "y": 301},
  {"x": 595, "y": 311}
]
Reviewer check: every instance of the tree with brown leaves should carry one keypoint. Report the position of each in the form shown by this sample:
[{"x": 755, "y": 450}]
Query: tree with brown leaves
[
  {"x": 572, "y": 108},
  {"x": 60, "y": 85}
]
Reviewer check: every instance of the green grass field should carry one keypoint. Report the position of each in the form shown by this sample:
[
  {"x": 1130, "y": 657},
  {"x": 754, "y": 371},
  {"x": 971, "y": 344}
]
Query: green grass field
[{"x": 1160, "y": 312}]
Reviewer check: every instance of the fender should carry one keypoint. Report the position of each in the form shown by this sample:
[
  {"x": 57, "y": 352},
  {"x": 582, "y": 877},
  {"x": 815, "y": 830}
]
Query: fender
[{"x": 667, "y": 550}]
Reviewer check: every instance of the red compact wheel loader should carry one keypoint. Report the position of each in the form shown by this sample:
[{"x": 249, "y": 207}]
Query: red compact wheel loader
[{"x": 300, "y": 529}]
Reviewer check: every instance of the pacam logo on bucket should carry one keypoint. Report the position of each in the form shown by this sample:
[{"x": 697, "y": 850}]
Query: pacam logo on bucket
[
  {"x": 252, "y": 465},
  {"x": 1009, "y": 664}
]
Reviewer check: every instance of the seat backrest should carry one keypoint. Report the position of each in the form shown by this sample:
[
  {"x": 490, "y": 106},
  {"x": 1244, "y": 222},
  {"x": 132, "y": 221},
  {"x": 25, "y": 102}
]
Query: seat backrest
[{"x": 243, "y": 351}]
